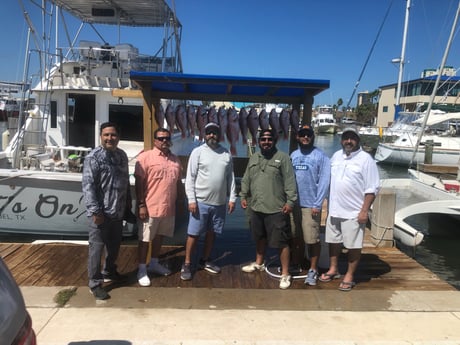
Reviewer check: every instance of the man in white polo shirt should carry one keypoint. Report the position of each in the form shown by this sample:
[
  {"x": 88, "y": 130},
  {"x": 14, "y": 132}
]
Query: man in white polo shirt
[{"x": 354, "y": 185}]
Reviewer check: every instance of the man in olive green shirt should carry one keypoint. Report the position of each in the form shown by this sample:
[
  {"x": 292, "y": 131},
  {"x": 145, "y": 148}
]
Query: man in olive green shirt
[{"x": 269, "y": 189}]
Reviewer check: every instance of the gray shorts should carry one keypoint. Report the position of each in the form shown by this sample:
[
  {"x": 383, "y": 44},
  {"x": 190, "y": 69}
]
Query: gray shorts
[
  {"x": 209, "y": 217},
  {"x": 346, "y": 231},
  {"x": 156, "y": 226},
  {"x": 304, "y": 225}
]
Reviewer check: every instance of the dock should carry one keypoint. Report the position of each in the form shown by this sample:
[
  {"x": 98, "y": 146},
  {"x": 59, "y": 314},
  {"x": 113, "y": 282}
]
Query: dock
[{"x": 64, "y": 264}]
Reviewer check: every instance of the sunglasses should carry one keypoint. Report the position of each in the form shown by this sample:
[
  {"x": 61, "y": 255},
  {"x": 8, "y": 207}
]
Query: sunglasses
[
  {"x": 163, "y": 138},
  {"x": 212, "y": 132},
  {"x": 265, "y": 139},
  {"x": 305, "y": 135}
]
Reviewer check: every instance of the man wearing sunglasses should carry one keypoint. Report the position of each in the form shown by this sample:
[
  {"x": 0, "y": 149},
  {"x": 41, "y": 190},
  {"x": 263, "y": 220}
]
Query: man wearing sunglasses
[
  {"x": 313, "y": 173},
  {"x": 158, "y": 181},
  {"x": 209, "y": 182},
  {"x": 268, "y": 188}
]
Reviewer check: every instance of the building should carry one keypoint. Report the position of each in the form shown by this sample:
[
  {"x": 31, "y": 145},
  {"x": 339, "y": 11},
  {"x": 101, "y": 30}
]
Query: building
[{"x": 416, "y": 94}]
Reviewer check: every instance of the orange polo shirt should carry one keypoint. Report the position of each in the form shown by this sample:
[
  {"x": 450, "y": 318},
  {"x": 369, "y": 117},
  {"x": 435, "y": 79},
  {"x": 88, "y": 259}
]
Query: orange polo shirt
[{"x": 159, "y": 174}]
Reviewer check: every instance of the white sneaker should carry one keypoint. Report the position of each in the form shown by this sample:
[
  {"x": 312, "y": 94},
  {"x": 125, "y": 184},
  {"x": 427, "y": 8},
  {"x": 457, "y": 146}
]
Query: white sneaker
[
  {"x": 143, "y": 279},
  {"x": 253, "y": 266},
  {"x": 158, "y": 269},
  {"x": 285, "y": 282}
]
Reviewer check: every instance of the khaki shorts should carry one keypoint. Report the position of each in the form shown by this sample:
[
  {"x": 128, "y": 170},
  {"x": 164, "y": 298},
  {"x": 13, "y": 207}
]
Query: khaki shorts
[
  {"x": 156, "y": 226},
  {"x": 304, "y": 225},
  {"x": 346, "y": 231}
]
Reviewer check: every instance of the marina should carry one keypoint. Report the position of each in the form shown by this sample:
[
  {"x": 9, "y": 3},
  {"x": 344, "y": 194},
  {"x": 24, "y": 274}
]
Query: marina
[{"x": 115, "y": 82}]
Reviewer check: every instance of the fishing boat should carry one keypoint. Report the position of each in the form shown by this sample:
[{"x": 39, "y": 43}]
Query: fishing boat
[
  {"x": 324, "y": 121},
  {"x": 76, "y": 85},
  {"x": 90, "y": 82}
]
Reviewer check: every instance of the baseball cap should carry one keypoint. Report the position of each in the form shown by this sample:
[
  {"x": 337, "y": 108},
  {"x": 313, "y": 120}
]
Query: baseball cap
[
  {"x": 350, "y": 129},
  {"x": 212, "y": 125},
  {"x": 306, "y": 130}
]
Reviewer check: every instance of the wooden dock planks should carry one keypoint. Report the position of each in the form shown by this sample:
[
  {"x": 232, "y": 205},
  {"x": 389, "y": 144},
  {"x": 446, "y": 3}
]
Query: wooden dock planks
[{"x": 62, "y": 264}]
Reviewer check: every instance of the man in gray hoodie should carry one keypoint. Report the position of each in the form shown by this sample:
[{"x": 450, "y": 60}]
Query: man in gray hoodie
[{"x": 209, "y": 183}]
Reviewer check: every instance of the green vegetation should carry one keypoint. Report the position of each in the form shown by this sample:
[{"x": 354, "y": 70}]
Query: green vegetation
[{"x": 63, "y": 296}]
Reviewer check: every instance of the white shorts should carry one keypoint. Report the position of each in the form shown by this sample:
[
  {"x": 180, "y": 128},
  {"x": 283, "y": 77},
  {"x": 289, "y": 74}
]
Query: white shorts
[
  {"x": 346, "y": 231},
  {"x": 156, "y": 226}
]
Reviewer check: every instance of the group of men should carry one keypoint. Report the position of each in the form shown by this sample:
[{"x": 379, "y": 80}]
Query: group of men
[{"x": 283, "y": 194}]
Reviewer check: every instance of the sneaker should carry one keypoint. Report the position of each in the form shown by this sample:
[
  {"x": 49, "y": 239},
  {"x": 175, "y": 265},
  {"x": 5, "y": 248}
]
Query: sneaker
[
  {"x": 253, "y": 266},
  {"x": 143, "y": 279},
  {"x": 209, "y": 267},
  {"x": 186, "y": 272},
  {"x": 113, "y": 277},
  {"x": 158, "y": 269},
  {"x": 293, "y": 269},
  {"x": 285, "y": 282},
  {"x": 99, "y": 293},
  {"x": 312, "y": 277}
]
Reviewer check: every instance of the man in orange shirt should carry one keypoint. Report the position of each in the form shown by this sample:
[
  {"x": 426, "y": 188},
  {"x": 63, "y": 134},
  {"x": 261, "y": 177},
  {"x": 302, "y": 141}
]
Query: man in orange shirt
[{"x": 158, "y": 179}]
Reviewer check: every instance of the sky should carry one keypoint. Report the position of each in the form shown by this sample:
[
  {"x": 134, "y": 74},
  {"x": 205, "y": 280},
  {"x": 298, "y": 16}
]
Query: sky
[{"x": 305, "y": 39}]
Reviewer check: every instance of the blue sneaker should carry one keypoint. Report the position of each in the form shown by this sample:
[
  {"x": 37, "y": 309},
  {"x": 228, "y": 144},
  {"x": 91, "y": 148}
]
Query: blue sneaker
[
  {"x": 186, "y": 272},
  {"x": 312, "y": 277}
]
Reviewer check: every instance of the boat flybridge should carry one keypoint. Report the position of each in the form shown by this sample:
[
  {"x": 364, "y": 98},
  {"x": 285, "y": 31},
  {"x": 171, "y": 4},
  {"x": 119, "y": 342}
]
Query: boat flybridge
[{"x": 83, "y": 79}]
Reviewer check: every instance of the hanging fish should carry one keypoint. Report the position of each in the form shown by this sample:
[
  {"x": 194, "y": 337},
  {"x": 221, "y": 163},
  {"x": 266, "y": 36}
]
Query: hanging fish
[
  {"x": 295, "y": 121},
  {"x": 274, "y": 121},
  {"x": 201, "y": 121},
  {"x": 233, "y": 129},
  {"x": 170, "y": 117},
  {"x": 191, "y": 120},
  {"x": 263, "y": 120},
  {"x": 223, "y": 121},
  {"x": 160, "y": 116},
  {"x": 284, "y": 121},
  {"x": 243, "y": 122},
  {"x": 212, "y": 115},
  {"x": 181, "y": 120},
  {"x": 253, "y": 125}
]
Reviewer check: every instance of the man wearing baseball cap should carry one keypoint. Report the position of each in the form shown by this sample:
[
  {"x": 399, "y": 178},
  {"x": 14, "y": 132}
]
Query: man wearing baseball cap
[
  {"x": 209, "y": 181},
  {"x": 312, "y": 171},
  {"x": 354, "y": 185}
]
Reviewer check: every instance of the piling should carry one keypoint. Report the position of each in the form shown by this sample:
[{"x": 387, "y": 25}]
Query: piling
[
  {"x": 429, "y": 152},
  {"x": 382, "y": 220}
]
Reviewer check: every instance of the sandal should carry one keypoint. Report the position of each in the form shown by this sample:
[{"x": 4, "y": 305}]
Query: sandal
[
  {"x": 327, "y": 277},
  {"x": 346, "y": 286}
]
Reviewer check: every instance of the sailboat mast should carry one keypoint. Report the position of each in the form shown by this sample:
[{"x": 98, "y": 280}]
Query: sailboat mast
[
  {"x": 438, "y": 78},
  {"x": 402, "y": 59}
]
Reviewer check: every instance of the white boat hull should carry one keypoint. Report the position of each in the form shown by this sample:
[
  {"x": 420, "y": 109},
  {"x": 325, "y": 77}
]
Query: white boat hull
[
  {"x": 428, "y": 200},
  {"x": 327, "y": 129},
  {"x": 402, "y": 155},
  {"x": 44, "y": 203}
]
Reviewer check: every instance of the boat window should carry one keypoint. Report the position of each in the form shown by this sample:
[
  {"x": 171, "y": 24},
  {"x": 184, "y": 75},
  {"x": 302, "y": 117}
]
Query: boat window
[
  {"x": 130, "y": 120},
  {"x": 53, "y": 114}
]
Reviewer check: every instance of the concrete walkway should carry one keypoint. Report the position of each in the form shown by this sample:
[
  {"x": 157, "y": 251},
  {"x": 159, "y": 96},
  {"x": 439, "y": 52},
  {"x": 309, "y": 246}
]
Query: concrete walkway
[{"x": 138, "y": 316}]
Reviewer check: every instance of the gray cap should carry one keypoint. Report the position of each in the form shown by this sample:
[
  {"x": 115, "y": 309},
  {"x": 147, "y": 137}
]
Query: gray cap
[
  {"x": 350, "y": 129},
  {"x": 212, "y": 124}
]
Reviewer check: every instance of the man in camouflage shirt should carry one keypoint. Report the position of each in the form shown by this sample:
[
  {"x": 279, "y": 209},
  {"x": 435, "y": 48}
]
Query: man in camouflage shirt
[{"x": 107, "y": 195}]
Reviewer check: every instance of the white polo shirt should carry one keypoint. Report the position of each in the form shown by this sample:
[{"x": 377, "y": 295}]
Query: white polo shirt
[{"x": 351, "y": 178}]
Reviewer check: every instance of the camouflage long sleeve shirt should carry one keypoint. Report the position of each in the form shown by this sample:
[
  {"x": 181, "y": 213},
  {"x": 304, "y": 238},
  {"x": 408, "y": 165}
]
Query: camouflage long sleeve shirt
[{"x": 105, "y": 182}]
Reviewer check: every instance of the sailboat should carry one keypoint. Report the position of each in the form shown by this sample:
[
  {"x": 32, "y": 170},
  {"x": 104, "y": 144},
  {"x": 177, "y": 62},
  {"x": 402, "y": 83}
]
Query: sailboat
[{"x": 430, "y": 196}]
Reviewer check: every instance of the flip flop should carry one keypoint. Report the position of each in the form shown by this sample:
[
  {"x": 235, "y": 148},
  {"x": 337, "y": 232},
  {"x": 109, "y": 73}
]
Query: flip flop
[
  {"x": 346, "y": 286},
  {"x": 327, "y": 277}
]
